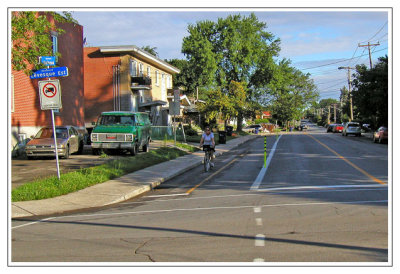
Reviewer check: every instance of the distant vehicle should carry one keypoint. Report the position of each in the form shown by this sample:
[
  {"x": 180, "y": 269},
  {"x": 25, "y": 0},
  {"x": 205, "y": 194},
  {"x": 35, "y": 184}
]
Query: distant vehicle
[
  {"x": 380, "y": 135},
  {"x": 303, "y": 126},
  {"x": 69, "y": 141},
  {"x": 330, "y": 127},
  {"x": 121, "y": 131},
  {"x": 252, "y": 128},
  {"x": 352, "y": 128},
  {"x": 338, "y": 128}
]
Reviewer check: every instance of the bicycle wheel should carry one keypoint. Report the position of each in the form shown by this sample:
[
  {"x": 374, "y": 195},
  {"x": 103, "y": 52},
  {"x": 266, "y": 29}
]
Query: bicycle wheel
[{"x": 206, "y": 162}]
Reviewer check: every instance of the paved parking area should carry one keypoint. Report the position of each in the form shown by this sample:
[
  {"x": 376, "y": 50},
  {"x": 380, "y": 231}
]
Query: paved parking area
[{"x": 24, "y": 170}]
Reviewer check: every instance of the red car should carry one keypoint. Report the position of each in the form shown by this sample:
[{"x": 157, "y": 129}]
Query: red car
[
  {"x": 381, "y": 135},
  {"x": 338, "y": 128}
]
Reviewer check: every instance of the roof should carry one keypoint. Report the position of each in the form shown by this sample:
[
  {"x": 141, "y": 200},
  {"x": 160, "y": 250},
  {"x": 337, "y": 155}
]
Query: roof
[{"x": 141, "y": 53}]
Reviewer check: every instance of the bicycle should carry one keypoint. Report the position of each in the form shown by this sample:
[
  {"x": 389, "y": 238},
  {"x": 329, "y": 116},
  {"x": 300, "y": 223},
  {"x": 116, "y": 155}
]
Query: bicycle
[{"x": 207, "y": 157}]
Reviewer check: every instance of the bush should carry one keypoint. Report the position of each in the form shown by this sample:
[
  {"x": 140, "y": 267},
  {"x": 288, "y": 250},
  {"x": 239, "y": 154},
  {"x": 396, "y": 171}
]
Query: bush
[{"x": 189, "y": 131}]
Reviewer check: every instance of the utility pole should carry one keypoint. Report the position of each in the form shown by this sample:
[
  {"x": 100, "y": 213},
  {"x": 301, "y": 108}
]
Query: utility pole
[
  {"x": 351, "y": 97},
  {"x": 369, "y": 45},
  {"x": 334, "y": 113},
  {"x": 329, "y": 114}
]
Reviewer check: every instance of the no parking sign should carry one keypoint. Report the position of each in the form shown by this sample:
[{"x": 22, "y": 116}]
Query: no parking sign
[{"x": 50, "y": 94}]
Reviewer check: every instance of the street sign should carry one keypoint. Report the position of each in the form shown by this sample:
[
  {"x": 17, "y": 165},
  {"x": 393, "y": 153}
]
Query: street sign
[
  {"x": 48, "y": 60},
  {"x": 50, "y": 94},
  {"x": 50, "y": 72},
  {"x": 174, "y": 108}
]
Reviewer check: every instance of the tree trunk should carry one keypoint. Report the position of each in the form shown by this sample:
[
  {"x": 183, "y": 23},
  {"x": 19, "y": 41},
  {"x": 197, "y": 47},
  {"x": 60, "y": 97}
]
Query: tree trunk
[{"x": 239, "y": 121}]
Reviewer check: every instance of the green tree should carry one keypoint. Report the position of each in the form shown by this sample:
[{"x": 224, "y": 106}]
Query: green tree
[
  {"x": 30, "y": 37},
  {"x": 370, "y": 93},
  {"x": 222, "y": 105},
  {"x": 187, "y": 78},
  {"x": 291, "y": 92},
  {"x": 235, "y": 49},
  {"x": 151, "y": 50}
]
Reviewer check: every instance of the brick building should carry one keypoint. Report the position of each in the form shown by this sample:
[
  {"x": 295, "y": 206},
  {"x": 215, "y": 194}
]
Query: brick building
[
  {"x": 26, "y": 115},
  {"x": 126, "y": 78}
]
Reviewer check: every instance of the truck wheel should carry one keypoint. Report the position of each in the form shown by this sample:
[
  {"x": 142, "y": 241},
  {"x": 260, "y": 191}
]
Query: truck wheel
[{"x": 134, "y": 150}]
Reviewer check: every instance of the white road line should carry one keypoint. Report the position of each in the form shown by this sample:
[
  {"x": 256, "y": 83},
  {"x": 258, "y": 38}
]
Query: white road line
[
  {"x": 167, "y": 195},
  {"x": 322, "y": 187},
  {"x": 32, "y": 223},
  {"x": 261, "y": 175},
  {"x": 373, "y": 188},
  {"x": 258, "y": 260},
  {"x": 200, "y": 209},
  {"x": 259, "y": 222},
  {"x": 257, "y": 209},
  {"x": 260, "y": 240}
]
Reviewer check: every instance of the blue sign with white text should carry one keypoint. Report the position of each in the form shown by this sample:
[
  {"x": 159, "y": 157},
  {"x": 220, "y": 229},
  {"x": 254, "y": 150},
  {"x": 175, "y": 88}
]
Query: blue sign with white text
[
  {"x": 50, "y": 72},
  {"x": 48, "y": 60}
]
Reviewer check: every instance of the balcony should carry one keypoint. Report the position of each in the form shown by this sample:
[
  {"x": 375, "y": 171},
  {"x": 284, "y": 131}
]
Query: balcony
[{"x": 141, "y": 80}]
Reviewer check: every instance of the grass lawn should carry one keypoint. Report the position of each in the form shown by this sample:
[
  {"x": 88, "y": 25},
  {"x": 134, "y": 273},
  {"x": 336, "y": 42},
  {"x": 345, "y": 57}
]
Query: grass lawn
[{"x": 77, "y": 180}]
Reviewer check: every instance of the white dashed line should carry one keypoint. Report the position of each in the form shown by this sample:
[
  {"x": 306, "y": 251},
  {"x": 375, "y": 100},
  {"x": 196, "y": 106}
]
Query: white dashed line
[{"x": 260, "y": 240}]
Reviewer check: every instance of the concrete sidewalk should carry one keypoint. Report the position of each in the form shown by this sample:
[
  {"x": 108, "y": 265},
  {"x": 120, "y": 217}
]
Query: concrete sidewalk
[{"x": 120, "y": 189}]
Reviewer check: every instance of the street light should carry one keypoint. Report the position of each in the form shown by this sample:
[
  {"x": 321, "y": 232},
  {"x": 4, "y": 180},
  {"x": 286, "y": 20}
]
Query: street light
[{"x": 351, "y": 97}]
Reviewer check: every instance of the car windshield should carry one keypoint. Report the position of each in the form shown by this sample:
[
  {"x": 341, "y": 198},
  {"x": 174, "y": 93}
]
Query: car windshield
[
  {"x": 354, "y": 125},
  {"x": 48, "y": 133},
  {"x": 112, "y": 120}
]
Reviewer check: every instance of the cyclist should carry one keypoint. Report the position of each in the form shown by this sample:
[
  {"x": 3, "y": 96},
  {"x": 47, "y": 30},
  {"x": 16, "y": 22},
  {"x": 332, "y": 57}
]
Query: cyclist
[{"x": 208, "y": 140}]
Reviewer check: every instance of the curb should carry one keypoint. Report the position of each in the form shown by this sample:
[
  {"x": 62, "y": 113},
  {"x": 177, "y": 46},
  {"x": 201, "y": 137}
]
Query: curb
[{"x": 119, "y": 189}]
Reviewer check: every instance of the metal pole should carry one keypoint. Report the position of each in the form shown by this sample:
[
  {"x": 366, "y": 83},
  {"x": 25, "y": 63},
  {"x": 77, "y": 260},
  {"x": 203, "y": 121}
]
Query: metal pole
[
  {"x": 55, "y": 143},
  {"x": 55, "y": 140},
  {"x": 351, "y": 97}
]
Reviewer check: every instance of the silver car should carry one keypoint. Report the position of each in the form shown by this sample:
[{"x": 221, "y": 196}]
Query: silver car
[
  {"x": 69, "y": 141},
  {"x": 352, "y": 128}
]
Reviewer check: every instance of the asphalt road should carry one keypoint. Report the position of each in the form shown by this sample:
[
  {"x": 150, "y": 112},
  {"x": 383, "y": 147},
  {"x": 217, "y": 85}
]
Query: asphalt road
[{"x": 323, "y": 198}]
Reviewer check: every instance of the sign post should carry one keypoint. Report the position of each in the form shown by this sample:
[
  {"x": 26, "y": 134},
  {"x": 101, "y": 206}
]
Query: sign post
[
  {"x": 50, "y": 93},
  {"x": 177, "y": 98},
  {"x": 50, "y": 99}
]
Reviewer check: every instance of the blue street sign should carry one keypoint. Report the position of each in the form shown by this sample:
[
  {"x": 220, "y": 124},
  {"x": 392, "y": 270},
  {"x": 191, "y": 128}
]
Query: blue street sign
[
  {"x": 48, "y": 60},
  {"x": 51, "y": 72}
]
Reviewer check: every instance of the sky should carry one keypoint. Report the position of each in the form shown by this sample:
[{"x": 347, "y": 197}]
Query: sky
[{"x": 317, "y": 41}]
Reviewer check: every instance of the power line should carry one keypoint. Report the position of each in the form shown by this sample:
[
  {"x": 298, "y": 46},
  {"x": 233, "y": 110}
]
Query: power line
[
  {"x": 338, "y": 61},
  {"x": 377, "y": 32}
]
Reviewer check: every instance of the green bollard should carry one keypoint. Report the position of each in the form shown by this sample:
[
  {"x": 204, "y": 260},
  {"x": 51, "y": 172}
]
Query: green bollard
[{"x": 265, "y": 151}]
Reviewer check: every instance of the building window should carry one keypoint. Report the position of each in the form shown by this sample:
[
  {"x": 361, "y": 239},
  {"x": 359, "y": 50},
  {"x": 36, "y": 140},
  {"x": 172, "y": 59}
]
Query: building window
[
  {"x": 157, "y": 80},
  {"x": 148, "y": 72},
  {"x": 54, "y": 40},
  {"x": 140, "y": 69},
  {"x": 133, "y": 68}
]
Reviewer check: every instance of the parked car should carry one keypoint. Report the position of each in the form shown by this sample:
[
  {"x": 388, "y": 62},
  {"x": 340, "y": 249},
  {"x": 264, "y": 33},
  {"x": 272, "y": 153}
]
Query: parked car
[
  {"x": 352, "y": 128},
  {"x": 380, "y": 135},
  {"x": 330, "y": 127},
  {"x": 69, "y": 141},
  {"x": 338, "y": 128},
  {"x": 121, "y": 131},
  {"x": 252, "y": 128},
  {"x": 303, "y": 126}
]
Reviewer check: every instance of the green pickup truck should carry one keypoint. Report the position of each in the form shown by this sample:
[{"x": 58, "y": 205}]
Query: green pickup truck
[{"x": 121, "y": 131}]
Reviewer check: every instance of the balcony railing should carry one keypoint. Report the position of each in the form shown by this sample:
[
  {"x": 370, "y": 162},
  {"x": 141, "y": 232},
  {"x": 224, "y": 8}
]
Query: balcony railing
[{"x": 141, "y": 80}]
